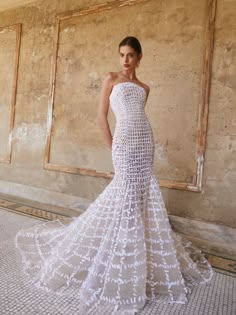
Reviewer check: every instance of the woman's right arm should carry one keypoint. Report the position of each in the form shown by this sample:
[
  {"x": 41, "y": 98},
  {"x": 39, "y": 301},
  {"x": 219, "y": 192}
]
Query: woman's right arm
[{"x": 103, "y": 108}]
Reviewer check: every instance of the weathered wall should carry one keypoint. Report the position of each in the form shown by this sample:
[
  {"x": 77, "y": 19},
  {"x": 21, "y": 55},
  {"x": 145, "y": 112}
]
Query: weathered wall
[
  {"x": 217, "y": 201},
  {"x": 80, "y": 67},
  {"x": 7, "y": 48},
  {"x": 172, "y": 34}
]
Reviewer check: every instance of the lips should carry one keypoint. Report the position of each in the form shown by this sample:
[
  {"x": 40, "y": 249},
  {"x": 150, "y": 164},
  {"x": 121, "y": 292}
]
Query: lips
[{"x": 126, "y": 65}]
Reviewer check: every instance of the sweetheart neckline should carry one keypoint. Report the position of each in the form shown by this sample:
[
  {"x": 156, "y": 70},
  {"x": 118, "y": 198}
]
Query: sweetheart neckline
[{"x": 141, "y": 87}]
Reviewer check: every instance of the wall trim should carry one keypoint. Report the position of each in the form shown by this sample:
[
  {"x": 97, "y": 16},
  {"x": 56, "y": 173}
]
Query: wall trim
[
  {"x": 210, "y": 237},
  {"x": 17, "y": 29},
  {"x": 43, "y": 195},
  {"x": 200, "y": 142}
]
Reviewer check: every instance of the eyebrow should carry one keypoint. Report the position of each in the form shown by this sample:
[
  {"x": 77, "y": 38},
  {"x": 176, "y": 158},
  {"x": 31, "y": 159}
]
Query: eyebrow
[{"x": 131, "y": 53}]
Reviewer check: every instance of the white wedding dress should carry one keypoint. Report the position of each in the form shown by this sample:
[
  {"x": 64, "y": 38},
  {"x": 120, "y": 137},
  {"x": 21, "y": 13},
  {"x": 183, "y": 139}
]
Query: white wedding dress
[{"x": 121, "y": 251}]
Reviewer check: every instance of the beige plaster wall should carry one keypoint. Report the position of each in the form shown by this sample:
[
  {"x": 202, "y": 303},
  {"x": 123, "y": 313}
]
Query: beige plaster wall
[
  {"x": 217, "y": 201},
  {"x": 88, "y": 48},
  {"x": 8, "y": 51},
  {"x": 172, "y": 34}
]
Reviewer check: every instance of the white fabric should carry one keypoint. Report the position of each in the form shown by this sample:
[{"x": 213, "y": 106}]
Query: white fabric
[{"x": 121, "y": 250}]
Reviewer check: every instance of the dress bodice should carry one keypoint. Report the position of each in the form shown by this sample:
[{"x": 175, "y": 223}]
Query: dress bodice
[{"x": 127, "y": 101}]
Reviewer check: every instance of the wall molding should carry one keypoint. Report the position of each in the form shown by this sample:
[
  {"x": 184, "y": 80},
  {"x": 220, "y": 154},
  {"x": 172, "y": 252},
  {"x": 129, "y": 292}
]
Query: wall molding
[
  {"x": 15, "y": 28},
  {"x": 210, "y": 237},
  {"x": 42, "y": 195},
  {"x": 200, "y": 144}
]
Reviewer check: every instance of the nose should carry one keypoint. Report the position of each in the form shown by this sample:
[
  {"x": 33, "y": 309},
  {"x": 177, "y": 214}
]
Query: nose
[{"x": 126, "y": 59}]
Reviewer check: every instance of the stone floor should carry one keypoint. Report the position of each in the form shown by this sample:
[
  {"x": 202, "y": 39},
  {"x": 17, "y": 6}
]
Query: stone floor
[{"x": 18, "y": 297}]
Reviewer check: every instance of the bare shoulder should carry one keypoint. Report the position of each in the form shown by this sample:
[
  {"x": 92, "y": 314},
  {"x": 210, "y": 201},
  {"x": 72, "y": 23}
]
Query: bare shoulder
[{"x": 110, "y": 78}]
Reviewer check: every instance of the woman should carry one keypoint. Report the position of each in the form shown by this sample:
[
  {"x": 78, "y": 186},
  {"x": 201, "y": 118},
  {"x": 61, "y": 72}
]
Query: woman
[{"x": 121, "y": 251}]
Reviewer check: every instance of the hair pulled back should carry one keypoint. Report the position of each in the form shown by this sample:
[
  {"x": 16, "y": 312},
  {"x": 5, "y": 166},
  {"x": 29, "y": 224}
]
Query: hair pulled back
[{"x": 132, "y": 42}]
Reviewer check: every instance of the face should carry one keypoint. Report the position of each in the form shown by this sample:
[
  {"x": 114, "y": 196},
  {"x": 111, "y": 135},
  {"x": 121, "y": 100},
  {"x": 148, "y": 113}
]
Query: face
[{"x": 129, "y": 59}]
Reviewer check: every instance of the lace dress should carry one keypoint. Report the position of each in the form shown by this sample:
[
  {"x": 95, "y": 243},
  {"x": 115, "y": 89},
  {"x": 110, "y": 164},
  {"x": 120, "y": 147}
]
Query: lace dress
[{"x": 121, "y": 251}]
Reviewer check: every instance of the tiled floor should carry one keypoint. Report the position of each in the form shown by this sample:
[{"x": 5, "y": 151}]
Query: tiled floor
[
  {"x": 18, "y": 297},
  {"x": 34, "y": 209}
]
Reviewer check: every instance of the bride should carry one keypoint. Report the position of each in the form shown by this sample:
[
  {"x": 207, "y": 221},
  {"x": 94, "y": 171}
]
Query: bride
[{"x": 121, "y": 251}]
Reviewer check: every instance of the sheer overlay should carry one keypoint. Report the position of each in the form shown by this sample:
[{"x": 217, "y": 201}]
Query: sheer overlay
[{"x": 121, "y": 251}]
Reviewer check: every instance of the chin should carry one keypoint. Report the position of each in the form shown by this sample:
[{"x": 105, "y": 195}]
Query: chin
[{"x": 128, "y": 69}]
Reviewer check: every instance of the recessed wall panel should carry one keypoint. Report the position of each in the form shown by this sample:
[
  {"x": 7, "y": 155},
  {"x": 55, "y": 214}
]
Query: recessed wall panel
[
  {"x": 173, "y": 38},
  {"x": 9, "y": 51}
]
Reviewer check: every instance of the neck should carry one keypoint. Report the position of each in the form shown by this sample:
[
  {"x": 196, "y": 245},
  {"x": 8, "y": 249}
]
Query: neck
[{"x": 129, "y": 74}]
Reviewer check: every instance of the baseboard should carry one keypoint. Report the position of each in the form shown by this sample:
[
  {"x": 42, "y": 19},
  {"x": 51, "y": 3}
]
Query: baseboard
[
  {"x": 213, "y": 238},
  {"x": 43, "y": 195},
  {"x": 210, "y": 237}
]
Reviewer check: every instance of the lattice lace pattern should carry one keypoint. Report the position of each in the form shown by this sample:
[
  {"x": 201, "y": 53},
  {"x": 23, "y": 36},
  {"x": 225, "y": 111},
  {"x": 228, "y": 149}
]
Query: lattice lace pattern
[{"x": 121, "y": 250}]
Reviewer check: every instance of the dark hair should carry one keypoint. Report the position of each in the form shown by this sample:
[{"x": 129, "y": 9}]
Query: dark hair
[{"x": 133, "y": 42}]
